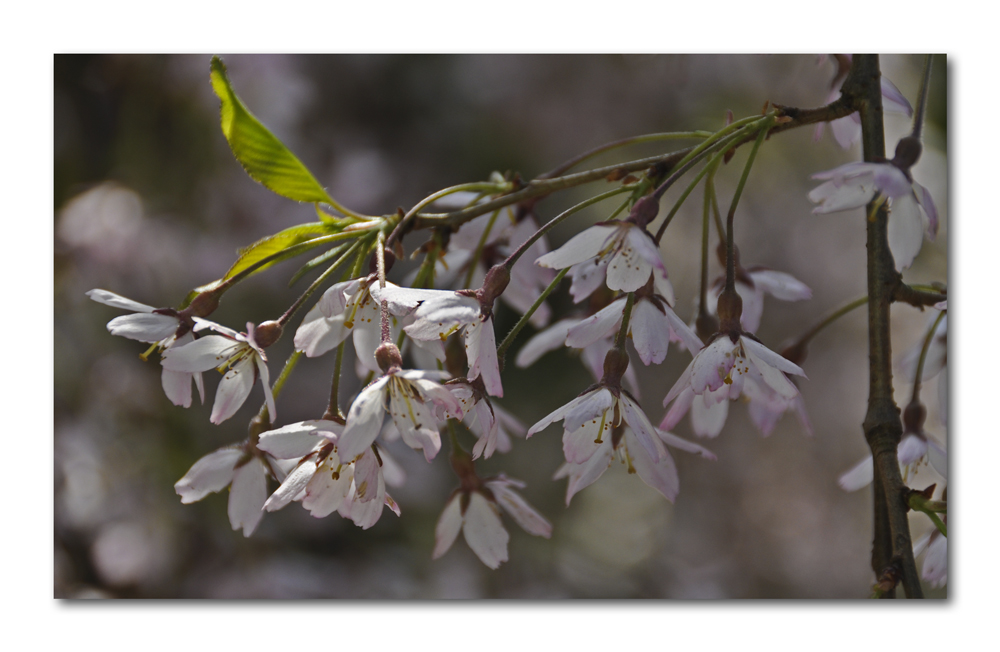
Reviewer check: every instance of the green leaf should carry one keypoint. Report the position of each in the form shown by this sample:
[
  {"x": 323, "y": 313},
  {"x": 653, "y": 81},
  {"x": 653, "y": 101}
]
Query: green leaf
[
  {"x": 261, "y": 154},
  {"x": 274, "y": 244}
]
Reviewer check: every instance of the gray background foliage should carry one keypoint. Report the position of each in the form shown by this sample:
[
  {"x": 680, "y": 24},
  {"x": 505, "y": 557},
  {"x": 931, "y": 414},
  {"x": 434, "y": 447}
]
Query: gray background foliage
[{"x": 150, "y": 203}]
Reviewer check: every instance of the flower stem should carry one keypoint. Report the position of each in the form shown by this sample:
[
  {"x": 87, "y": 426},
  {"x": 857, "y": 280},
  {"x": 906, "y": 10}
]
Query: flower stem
[
  {"x": 626, "y": 316},
  {"x": 479, "y": 249},
  {"x": 730, "y": 257},
  {"x": 711, "y": 165},
  {"x": 705, "y": 228},
  {"x": 829, "y": 319},
  {"x": 333, "y": 412},
  {"x": 918, "y": 377},
  {"x": 646, "y": 138},
  {"x": 283, "y": 320},
  {"x": 509, "y": 339},
  {"x": 925, "y": 84},
  {"x": 479, "y": 186}
]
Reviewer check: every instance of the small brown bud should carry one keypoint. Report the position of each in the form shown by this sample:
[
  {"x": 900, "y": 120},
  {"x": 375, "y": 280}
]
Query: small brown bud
[
  {"x": 267, "y": 333},
  {"x": 494, "y": 284},
  {"x": 387, "y": 356},
  {"x": 644, "y": 211},
  {"x": 203, "y": 305},
  {"x": 730, "y": 310},
  {"x": 908, "y": 152},
  {"x": 914, "y": 416},
  {"x": 615, "y": 365}
]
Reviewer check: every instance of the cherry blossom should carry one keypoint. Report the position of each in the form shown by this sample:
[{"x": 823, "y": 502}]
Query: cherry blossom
[
  {"x": 624, "y": 251},
  {"x": 235, "y": 466},
  {"x": 912, "y": 210},
  {"x": 409, "y": 396},
  {"x": 236, "y": 355},
  {"x": 476, "y": 514},
  {"x": 659, "y": 474},
  {"x": 935, "y": 568},
  {"x": 915, "y": 449},
  {"x": 752, "y": 284},
  {"x": 159, "y": 327},
  {"x": 490, "y": 423}
]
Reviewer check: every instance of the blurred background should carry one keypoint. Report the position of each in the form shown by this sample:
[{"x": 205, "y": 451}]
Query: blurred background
[{"x": 150, "y": 203}]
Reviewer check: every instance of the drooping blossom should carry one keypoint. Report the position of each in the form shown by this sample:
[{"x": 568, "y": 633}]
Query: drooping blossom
[
  {"x": 235, "y": 466},
  {"x": 911, "y": 208},
  {"x": 321, "y": 480},
  {"x": 490, "y": 423},
  {"x": 935, "y": 362},
  {"x": 660, "y": 475},
  {"x": 410, "y": 397},
  {"x": 622, "y": 253},
  {"x": 915, "y": 449},
  {"x": 653, "y": 323},
  {"x": 440, "y": 313},
  {"x": 475, "y": 512},
  {"x": 159, "y": 327},
  {"x": 752, "y": 284},
  {"x": 935, "y": 568},
  {"x": 236, "y": 355},
  {"x": 847, "y": 130}
]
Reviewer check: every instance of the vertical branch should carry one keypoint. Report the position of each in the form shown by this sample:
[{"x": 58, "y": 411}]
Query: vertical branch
[{"x": 882, "y": 426}]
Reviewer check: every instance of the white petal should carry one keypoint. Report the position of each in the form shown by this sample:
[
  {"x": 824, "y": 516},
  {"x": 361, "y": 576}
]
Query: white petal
[
  {"x": 650, "y": 332},
  {"x": 891, "y": 181},
  {"x": 586, "y": 474},
  {"x": 927, "y": 203},
  {"x": 769, "y": 358},
  {"x": 594, "y": 404},
  {"x": 448, "y": 526},
  {"x": 938, "y": 457},
  {"x": 906, "y": 230},
  {"x": 364, "y": 420},
  {"x": 587, "y": 277},
  {"x": 859, "y": 476},
  {"x": 523, "y": 514},
  {"x": 484, "y": 532},
  {"x": 659, "y": 473},
  {"x": 580, "y": 444},
  {"x": 481, "y": 347},
  {"x": 233, "y": 390},
  {"x": 674, "y": 441},
  {"x": 415, "y": 422},
  {"x": 328, "y": 488},
  {"x": 663, "y": 287},
  {"x": 893, "y": 100},
  {"x": 833, "y": 197},
  {"x": 297, "y": 439},
  {"x": 118, "y": 301},
  {"x": 209, "y": 474},
  {"x": 681, "y": 405},
  {"x": 401, "y": 299},
  {"x": 247, "y": 496},
  {"x": 557, "y": 415},
  {"x": 440, "y": 317},
  {"x": 630, "y": 266},
  {"x": 547, "y": 340},
  {"x": 579, "y": 248},
  {"x": 368, "y": 477},
  {"x": 205, "y": 353},
  {"x": 177, "y": 387},
  {"x": 712, "y": 365},
  {"x": 683, "y": 332},
  {"x": 318, "y": 334},
  {"x": 265, "y": 381},
  {"x": 708, "y": 417},
  {"x": 293, "y": 485},
  {"x": 780, "y": 285},
  {"x": 144, "y": 327},
  {"x": 597, "y": 326},
  {"x": 644, "y": 431},
  {"x": 935, "y": 569}
]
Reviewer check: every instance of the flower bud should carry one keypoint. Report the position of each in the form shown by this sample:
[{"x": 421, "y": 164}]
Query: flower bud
[
  {"x": 908, "y": 152},
  {"x": 494, "y": 284},
  {"x": 267, "y": 333},
  {"x": 914, "y": 416},
  {"x": 387, "y": 356},
  {"x": 203, "y": 305},
  {"x": 615, "y": 365},
  {"x": 730, "y": 311},
  {"x": 644, "y": 211}
]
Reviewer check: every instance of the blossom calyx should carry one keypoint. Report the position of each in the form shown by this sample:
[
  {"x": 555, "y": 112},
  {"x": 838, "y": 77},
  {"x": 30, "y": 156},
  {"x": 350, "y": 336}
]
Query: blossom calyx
[
  {"x": 203, "y": 305},
  {"x": 644, "y": 211},
  {"x": 615, "y": 365},
  {"x": 914, "y": 416},
  {"x": 388, "y": 255},
  {"x": 388, "y": 357},
  {"x": 730, "y": 310},
  {"x": 908, "y": 151},
  {"x": 494, "y": 284},
  {"x": 267, "y": 333}
]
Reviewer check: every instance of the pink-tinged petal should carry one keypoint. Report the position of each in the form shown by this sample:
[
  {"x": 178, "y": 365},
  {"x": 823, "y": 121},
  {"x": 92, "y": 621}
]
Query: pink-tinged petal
[
  {"x": 583, "y": 246},
  {"x": 593, "y": 405},
  {"x": 674, "y": 441},
  {"x": 644, "y": 431},
  {"x": 769, "y": 358},
  {"x": 558, "y": 414},
  {"x": 677, "y": 411},
  {"x": 484, "y": 425},
  {"x": 118, "y": 301},
  {"x": 911, "y": 449},
  {"x": 293, "y": 485},
  {"x": 318, "y": 334},
  {"x": 297, "y": 440},
  {"x": 177, "y": 387},
  {"x": 144, "y": 327},
  {"x": 893, "y": 100},
  {"x": 364, "y": 420},
  {"x": 247, "y": 496},
  {"x": 401, "y": 300},
  {"x": 833, "y": 197},
  {"x": 848, "y": 172},
  {"x": 780, "y": 285},
  {"x": 906, "y": 230},
  {"x": 583, "y": 475},
  {"x": 416, "y": 423},
  {"x": 328, "y": 488},
  {"x": 663, "y": 287},
  {"x": 439, "y": 318},
  {"x": 768, "y": 374},
  {"x": 927, "y": 203},
  {"x": 203, "y": 354},
  {"x": 650, "y": 332},
  {"x": 935, "y": 569},
  {"x": 481, "y": 348},
  {"x": 630, "y": 267},
  {"x": 683, "y": 384},
  {"x": 518, "y": 508},
  {"x": 484, "y": 532},
  {"x": 683, "y": 332},
  {"x": 234, "y": 388},
  {"x": 846, "y": 131},
  {"x": 799, "y": 404},
  {"x": 708, "y": 417},
  {"x": 367, "y": 337},
  {"x": 366, "y": 514},
  {"x": 938, "y": 457},
  {"x": 660, "y": 472},
  {"x": 368, "y": 477},
  {"x": 448, "y": 526},
  {"x": 440, "y": 395},
  {"x": 891, "y": 181},
  {"x": 209, "y": 474},
  {"x": 859, "y": 476},
  {"x": 765, "y": 407},
  {"x": 334, "y": 301},
  {"x": 712, "y": 365},
  {"x": 597, "y": 326},
  {"x": 547, "y": 340},
  {"x": 587, "y": 277},
  {"x": 642, "y": 243},
  {"x": 265, "y": 381},
  {"x": 580, "y": 444}
]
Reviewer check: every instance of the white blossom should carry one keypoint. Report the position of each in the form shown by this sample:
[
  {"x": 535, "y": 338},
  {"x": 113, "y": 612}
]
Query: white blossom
[{"x": 235, "y": 466}]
